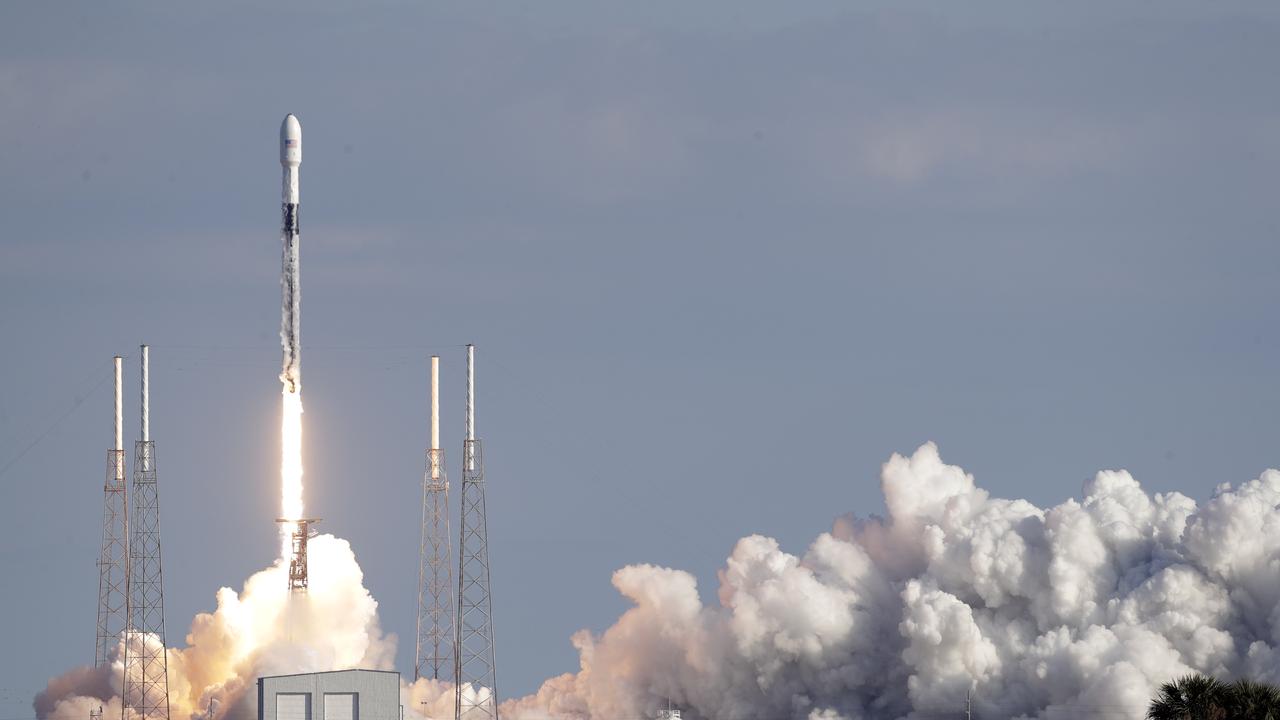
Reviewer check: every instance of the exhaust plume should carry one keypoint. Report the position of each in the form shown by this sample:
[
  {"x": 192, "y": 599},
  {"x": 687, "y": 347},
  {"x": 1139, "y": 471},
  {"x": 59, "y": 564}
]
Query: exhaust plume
[
  {"x": 262, "y": 630},
  {"x": 1078, "y": 610}
]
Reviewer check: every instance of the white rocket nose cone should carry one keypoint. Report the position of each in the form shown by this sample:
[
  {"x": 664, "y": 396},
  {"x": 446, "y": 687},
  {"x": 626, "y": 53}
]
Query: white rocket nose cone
[{"x": 290, "y": 141}]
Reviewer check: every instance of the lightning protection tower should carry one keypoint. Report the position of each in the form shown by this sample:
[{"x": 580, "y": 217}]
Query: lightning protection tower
[
  {"x": 113, "y": 561},
  {"x": 475, "y": 663},
  {"x": 435, "y": 648},
  {"x": 146, "y": 667}
]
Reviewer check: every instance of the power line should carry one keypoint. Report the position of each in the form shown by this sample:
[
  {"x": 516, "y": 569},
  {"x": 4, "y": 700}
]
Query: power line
[
  {"x": 80, "y": 400},
  {"x": 257, "y": 348}
]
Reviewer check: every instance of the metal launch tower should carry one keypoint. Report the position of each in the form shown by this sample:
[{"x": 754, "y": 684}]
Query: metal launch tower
[
  {"x": 300, "y": 534},
  {"x": 113, "y": 562},
  {"x": 434, "y": 657},
  {"x": 146, "y": 676},
  {"x": 475, "y": 666}
]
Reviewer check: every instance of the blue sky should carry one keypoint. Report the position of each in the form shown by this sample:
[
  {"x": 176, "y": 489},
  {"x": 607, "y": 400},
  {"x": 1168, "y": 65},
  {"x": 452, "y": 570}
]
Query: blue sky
[{"x": 720, "y": 261}]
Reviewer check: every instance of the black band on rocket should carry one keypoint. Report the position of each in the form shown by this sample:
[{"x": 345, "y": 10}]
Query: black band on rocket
[{"x": 290, "y": 213}]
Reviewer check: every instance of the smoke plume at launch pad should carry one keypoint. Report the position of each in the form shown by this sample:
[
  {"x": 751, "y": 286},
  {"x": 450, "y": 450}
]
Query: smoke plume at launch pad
[{"x": 1080, "y": 609}]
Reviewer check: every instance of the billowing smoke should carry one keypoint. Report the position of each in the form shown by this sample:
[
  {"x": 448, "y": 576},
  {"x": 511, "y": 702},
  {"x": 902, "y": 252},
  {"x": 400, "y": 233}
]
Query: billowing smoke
[
  {"x": 1079, "y": 610},
  {"x": 264, "y": 629}
]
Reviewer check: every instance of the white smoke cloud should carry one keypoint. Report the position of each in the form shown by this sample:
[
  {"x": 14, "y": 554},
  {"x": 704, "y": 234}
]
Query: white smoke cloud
[
  {"x": 262, "y": 630},
  {"x": 428, "y": 699},
  {"x": 1080, "y": 609}
]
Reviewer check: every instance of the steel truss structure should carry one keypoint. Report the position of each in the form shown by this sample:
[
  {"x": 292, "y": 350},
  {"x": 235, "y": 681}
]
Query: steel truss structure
[
  {"x": 300, "y": 534},
  {"x": 146, "y": 667},
  {"x": 113, "y": 560},
  {"x": 435, "y": 646},
  {"x": 146, "y": 663},
  {"x": 476, "y": 695}
]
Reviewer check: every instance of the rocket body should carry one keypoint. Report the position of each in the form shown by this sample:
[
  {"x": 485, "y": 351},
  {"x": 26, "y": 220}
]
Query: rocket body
[
  {"x": 290, "y": 159},
  {"x": 290, "y": 319}
]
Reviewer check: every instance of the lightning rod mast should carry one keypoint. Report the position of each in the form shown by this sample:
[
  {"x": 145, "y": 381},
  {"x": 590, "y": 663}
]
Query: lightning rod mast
[
  {"x": 476, "y": 693},
  {"x": 113, "y": 560},
  {"x": 146, "y": 665},
  {"x": 435, "y": 648}
]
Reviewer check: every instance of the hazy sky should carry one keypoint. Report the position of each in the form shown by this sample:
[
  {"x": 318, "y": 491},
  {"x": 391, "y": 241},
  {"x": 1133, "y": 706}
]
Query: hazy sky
[{"x": 720, "y": 260}]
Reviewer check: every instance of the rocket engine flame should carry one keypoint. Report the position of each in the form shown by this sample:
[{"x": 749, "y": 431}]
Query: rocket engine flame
[{"x": 290, "y": 466}]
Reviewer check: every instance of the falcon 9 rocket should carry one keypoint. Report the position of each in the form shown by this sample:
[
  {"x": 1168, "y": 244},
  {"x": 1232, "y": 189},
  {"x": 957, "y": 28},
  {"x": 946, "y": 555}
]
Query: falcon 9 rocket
[
  {"x": 291, "y": 505},
  {"x": 290, "y": 323}
]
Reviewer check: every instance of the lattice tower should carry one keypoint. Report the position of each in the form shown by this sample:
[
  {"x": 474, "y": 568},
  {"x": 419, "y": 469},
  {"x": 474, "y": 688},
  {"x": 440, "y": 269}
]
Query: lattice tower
[
  {"x": 146, "y": 668},
  {"x": 476, "y": 664},
  {"x": 434, "y": 656},
  {"x": 113, "y": 561}
]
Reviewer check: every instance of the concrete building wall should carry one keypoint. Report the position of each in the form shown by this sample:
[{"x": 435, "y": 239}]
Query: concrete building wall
[{"x": 337, "y": 695}]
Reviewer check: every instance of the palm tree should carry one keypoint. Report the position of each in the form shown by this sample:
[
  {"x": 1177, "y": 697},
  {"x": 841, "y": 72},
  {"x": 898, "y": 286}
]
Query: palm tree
[
  {"x": 1192, "y": 697},
  {"x": 1249, "y": 700}
]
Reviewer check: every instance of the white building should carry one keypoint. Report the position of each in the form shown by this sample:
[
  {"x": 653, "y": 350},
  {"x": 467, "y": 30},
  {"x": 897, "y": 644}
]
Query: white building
[{"x": 337, "y": 695}]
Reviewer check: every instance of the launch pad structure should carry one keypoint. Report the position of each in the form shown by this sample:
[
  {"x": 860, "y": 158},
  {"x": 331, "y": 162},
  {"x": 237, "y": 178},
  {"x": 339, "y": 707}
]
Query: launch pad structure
[{"x": 299, "y": 536}]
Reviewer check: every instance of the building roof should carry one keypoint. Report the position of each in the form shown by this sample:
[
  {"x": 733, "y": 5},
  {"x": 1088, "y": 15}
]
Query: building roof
[{"x": 330, "y": 672}]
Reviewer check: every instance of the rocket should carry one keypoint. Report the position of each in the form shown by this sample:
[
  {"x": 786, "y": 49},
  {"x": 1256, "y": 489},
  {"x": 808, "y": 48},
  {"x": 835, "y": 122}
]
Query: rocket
[
  {"x": 290, "y": 322},
  {"x": 290, "y": 159}
]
